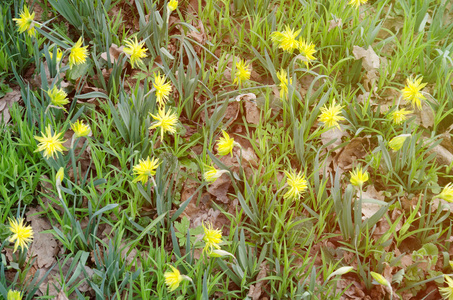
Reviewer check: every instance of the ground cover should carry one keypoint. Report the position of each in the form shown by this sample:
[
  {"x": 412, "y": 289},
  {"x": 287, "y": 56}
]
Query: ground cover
[{"x": 214, "y": 149}]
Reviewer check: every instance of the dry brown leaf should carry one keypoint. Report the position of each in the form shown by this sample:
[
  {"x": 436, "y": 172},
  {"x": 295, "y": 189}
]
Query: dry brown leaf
[
  {"x": 190, "y": 187},
  {"x": 249, "y": 157},
  {"x": 256, "y": 289},
  {"x": 355, "y": 291},
  {"x": 426, "y": 115},
  {"x": 353, "y": 151},
  {"x": 443, "y": 156},
  {"x": 252, "y": 113},
  {"x": 61, "y": 296},
  {"x": 369, "y": 209},
  {"x": 231, "y": 113},
  {"x": 6, "y": 102},
  {"x": 114, "y": 53},
  {"x": 336, "y": 22},
  {"x": 370, "y": 60},
  {"x": 220, "y": 187},
  {"x": 446, "y": 206},
  {"x": 44, "y": 245},
  {"x": 333, "y": 134},
  {"x": 406, "y": 261}
]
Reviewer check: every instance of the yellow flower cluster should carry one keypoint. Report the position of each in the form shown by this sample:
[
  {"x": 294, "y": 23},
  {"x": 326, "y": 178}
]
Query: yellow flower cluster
[{"x": 288, "y": 41}]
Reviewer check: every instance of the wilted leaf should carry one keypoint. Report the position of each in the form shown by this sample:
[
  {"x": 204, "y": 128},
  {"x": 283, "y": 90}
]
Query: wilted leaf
[
  {"x": 6, "y": 102},
  {"x": 44, "y": 245},
  {"x": 114, "y": 53},
  {"x": 369, "y": 209},
  {"x": 219, "y": 188},
  {"x": 370, "y": 60},
  {"x": 256, "y": 290},
  {"x": 353, "y": 151},
  {"x": 61, "y": 296},
  {"x": 336, "y": 22},
  {"x": 252, "y": 113},
  {"x": 426, "y": 115},
  {"x": 334, "y": 135}
]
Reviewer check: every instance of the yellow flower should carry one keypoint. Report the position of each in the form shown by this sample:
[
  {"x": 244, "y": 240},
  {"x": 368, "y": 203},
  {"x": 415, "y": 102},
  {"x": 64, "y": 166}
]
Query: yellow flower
[
  {"x": 243, "y": 72},
  {"x": 297, "y": 184},
  {"x": 447, "y": 292},
  {"x": 330, "y": 115},
  {"x": 59, "y": 176},
  {"x": 411, "y": 91},
  {"x": 78, "y": 54},
  {"x": 58, "y": 96},
  {"x": 162, "y": 89},
  {"x": 80, "y": 129},
  {"x": 135, "y": 50},
  {"x": 286, "y": 40},
  {"x": 166, "y": 121},
  {"x": 59, "y": 54},
  {"x": 283, "y": 77},
  {"x": 225, "y": 144},
  {"x": 212, "y": 237},
  {"x": 399, "y": 115},
  {"x": 398, "y": 141},
  {"x": 173, "y": 278},
  {"x": 358, "y": 177},
  {"x": 50, "y": 144},
  {"x": 447, "y": 193},
  {"x": 212, "y": 174},
  {"x": 172, "y": 5},
  {"x": 145, "y": 169},
  {"x": 307, "y": 50},
  {"x": 357, "y": 3},
  {"x": 21, "y": 234},
  {"x": 380, "y": 279},
  {"x": 25, "y": 22},
  {"x": 14, "y": 295}
]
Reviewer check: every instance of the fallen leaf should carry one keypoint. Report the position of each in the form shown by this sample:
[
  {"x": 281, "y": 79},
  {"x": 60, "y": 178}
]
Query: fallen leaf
[
  {"x": 353, "y": 151},
  {"x": 6, "y": 102},
  {"x": 335, "y": 135},
  {"x": 220, "y": 187},
  {"x": 250, "y": 157},
  {"x": 256, "y": 289},
  {"x": 114, "y": 53},
  {"x": 369, "y": 209},
  {"x": 44, "y": 245},
  {"x": 61, "y": 296},
  {"x": 336, "y": 22},
  {"x": 445, "y": 205},
  {"x": 426, "y": 115},
  {"x": 370, "y": 60},
  {"x": 252, "y": 113}
]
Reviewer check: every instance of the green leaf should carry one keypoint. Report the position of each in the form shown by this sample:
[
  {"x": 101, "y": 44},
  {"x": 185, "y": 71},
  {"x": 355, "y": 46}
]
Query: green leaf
[{"x": 78, "y": 71}]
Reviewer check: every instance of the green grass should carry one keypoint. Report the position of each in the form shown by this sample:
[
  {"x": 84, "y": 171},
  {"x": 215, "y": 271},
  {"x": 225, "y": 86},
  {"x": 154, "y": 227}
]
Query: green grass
[{"x": 118, "y": 238}]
